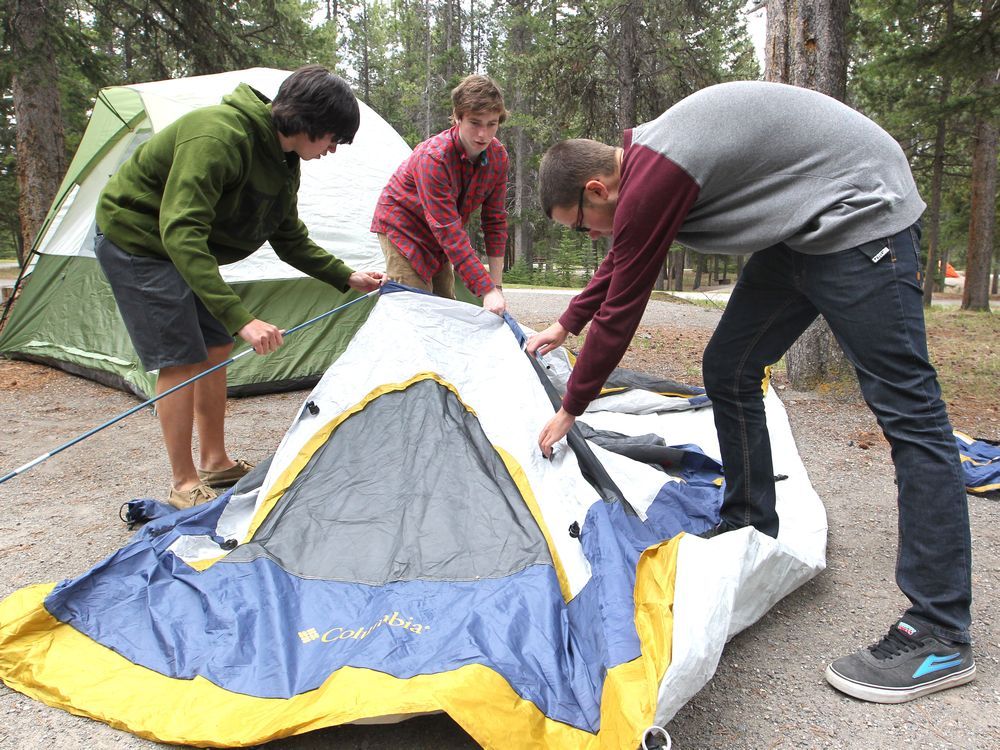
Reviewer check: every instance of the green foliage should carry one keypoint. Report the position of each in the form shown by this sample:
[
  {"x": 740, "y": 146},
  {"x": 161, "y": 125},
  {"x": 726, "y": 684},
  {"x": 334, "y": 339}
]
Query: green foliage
[
  {"x": 570, "y": 265},
  {"x": 587, "y": 68},
  {"x": 917, "y": 63}
]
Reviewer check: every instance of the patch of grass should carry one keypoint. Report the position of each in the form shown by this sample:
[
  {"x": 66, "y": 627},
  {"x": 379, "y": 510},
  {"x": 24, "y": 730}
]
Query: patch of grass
[
  {"x": 705, "y": 302},
  {"x": 965, "y": 348}
]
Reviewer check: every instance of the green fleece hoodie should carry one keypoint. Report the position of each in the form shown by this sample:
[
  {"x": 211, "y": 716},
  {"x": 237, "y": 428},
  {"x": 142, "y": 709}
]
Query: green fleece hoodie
[{"x": 209, "y": 189}]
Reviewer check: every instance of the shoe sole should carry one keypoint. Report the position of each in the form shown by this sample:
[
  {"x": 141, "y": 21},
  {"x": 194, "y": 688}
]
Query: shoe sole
[
  {"x": 880, "y": 694},
  {"x": 220, "y": 485}
]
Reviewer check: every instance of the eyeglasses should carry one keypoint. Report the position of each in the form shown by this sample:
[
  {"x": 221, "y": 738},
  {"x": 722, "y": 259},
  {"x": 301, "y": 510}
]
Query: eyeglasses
[{"x": 578, "y": 226}]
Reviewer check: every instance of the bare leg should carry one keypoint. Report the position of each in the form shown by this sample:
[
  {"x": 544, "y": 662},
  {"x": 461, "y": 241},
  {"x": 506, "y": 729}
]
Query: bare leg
[
  {"x": 210, "y": 412},
  {"x": 176, "y": 413}
]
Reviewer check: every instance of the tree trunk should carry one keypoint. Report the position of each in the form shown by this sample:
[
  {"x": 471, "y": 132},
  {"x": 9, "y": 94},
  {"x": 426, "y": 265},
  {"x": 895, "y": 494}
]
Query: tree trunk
[
  {"x": 449, "y": 34},
  {"x": 520, "y": 41},
  {"x": 816, "y": 359},
  {"x": 41, "y": 155},
  {"x": 935, "y": 269},
  {"x": 679, "y": 270},
  {"x": 976, "y": 294},
  {"x": 628, "y": 64},
  {"x": 365, "y": 74},
  {"x": 702, "y": 263},
  {"x": 473, "y": 38},
  {"x": 428, "y": 89},
  {"x": 806, "y": 45},
  {"x": 661, "y": 276}
]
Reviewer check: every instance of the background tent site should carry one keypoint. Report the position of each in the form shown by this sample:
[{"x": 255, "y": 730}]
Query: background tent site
[{"x": 66, "y": 316}]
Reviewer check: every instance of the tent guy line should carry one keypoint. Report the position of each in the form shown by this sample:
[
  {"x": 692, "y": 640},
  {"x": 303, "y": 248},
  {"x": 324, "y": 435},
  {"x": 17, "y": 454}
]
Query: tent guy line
[{"x": 149, "y": 402}]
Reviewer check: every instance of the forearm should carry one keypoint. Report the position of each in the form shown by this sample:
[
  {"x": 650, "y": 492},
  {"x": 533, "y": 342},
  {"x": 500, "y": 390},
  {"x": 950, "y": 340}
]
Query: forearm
[{"x": 496, "y": 269}]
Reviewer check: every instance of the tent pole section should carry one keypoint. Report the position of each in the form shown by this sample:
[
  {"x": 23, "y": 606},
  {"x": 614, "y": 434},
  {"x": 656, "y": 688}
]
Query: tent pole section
[{"x": 189, "y": 381}]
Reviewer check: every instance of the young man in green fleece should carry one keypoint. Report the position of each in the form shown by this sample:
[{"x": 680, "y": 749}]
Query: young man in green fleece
[{"x": 208, "y": 190}]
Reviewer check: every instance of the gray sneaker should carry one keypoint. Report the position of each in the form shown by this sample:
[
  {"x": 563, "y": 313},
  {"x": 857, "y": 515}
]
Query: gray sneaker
[{"x": 908, "y": 662}]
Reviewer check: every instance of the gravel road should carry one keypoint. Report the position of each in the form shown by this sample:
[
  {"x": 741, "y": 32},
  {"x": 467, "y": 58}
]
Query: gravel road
[{"x": 768, "y": 692}]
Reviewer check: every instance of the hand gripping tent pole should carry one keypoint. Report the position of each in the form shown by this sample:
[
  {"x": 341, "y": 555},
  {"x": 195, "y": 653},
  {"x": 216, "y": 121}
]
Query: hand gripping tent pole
[{"x": 189, "y": 381}]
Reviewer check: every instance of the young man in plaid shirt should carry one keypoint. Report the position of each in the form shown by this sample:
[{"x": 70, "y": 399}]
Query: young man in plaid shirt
[{"x": 421, "y": 215}]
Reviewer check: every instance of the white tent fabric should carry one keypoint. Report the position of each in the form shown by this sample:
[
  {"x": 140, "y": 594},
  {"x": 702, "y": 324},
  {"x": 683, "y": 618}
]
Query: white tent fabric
[
  {"x": 337, "y": 196},
  {"x": 723, "y": 585}
]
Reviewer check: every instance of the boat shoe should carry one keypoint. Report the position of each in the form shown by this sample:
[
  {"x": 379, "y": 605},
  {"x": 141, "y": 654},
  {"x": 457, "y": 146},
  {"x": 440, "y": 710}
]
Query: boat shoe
[
  {"x": 226, "y": 477},
  {"x": 197, "y": 495}
]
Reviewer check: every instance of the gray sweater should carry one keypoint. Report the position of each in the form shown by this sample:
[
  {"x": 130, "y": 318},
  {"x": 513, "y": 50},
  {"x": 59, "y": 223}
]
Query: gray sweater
[
  {"x": 736, "y": 168},
  {"x": 776, "y": 163}
]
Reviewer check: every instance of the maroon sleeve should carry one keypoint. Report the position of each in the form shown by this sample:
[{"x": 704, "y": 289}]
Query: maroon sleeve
[{"x": 655, "y": 198}]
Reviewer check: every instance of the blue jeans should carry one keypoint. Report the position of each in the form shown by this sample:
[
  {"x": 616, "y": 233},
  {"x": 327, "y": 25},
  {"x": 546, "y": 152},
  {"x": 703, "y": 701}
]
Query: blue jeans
[{"x": 874, "y": 308}]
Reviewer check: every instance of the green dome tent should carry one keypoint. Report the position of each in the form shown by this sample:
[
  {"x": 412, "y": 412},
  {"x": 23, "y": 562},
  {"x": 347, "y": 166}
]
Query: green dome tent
[{"x": 66, "y": 316}]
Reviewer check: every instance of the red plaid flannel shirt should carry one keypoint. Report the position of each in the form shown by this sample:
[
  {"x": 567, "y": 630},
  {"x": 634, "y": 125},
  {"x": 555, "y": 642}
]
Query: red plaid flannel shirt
[{"x": 424, "y": 208}]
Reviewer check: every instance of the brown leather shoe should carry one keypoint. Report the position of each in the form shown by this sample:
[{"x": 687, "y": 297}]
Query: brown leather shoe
[
  {"x": 226, "y": 477},
  {"x": 197, "y": 495}
]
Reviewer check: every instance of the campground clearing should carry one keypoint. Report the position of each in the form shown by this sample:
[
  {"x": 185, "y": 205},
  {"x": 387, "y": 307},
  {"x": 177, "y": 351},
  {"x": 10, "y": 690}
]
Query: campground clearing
[{"x": 768, "y": 691}]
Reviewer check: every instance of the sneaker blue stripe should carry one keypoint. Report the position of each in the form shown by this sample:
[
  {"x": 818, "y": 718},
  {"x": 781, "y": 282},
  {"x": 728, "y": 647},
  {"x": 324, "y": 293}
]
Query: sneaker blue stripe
[{"x": 936, "y": 663}]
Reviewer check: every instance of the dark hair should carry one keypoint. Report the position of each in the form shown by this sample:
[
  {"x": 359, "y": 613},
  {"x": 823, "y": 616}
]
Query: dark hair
[
  {"x": 567, "y": 166},
  {"x": 314, "y": 101}
]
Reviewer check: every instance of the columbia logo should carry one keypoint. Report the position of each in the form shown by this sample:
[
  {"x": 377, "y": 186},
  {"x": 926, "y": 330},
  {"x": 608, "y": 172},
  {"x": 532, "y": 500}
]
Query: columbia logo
[{"x": 307, "y": 636}]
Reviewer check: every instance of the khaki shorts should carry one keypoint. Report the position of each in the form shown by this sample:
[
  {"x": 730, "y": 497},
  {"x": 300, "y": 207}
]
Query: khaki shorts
[{"x": 398, "y": 269}]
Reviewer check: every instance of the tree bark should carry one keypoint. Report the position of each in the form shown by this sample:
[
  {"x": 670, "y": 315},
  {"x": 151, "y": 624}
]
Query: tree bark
[
  {"x": 816, "y": 359},
  {"x": 678, "y": 285},
  {"x": 428, "y": 88},
  {"x": 628, "y": 64},
  {"x": 976, "y": 294},
  {"x": 935, "y": 269},
  {"x": 365, "y": 73},
  {"x": 661, "y": 276},
  {"x": 806, "y": 46},
  {"x": 520, "y": 40},
  {"x": 41, "y": 155}
]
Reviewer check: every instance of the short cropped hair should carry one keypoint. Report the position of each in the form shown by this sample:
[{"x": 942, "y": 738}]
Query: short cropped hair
[
  {"x": 314, "y": 101},
  {"x": 477, "y": 93},
  {"x": 567, "y": 166}
]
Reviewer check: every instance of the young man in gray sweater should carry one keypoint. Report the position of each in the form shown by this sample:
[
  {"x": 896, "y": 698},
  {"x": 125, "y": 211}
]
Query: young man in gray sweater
[{"x": 824, "y": 200}]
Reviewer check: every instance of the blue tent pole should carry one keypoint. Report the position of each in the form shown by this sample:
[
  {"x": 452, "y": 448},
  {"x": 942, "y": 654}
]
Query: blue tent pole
[{"x": 144, "y": 404}]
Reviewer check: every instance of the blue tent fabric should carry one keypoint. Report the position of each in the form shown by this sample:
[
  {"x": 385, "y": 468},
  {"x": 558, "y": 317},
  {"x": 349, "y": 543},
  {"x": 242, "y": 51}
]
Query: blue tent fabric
[
  {"x": 981, "y": 465},
  {"x": 143, "y": 510},
  {"x": 145, "y": 604}
]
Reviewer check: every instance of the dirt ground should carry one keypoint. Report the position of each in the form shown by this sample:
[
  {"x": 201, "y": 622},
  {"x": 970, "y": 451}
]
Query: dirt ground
[{"x": 768, "y": 692}]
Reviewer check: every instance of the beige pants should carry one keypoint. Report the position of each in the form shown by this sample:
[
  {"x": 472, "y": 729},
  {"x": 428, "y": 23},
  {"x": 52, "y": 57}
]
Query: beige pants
[{"x": 398, "y": 268}]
